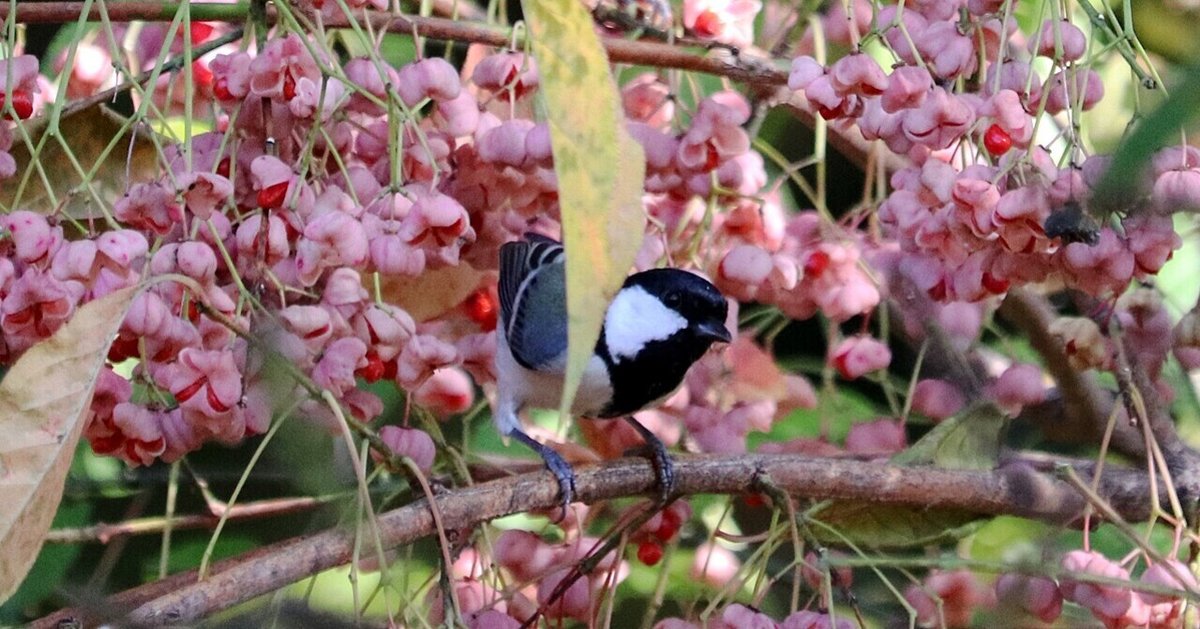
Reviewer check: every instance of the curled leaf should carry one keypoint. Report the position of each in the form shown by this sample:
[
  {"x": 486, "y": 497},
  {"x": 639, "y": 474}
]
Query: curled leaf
[{"x": 44, "y": 400}]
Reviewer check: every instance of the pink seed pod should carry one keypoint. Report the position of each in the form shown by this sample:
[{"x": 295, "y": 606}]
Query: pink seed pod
[
  {"x": 410, "y": 442},
  {"x": 1037, "y": 596},
  {"x": 937, "y": 399},
  {"x": 859, "y": 355}
]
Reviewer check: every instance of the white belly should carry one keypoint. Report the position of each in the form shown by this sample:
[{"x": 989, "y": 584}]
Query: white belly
[{"x": 520, "y": 387}]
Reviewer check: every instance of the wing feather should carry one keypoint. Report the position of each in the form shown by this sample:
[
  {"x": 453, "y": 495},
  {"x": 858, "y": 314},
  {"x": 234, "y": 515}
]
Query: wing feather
[{"x": 533, "y": 305}]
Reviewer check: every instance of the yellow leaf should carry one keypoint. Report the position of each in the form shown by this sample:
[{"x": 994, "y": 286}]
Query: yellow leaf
[
  {"x": 99, "y": 140},
  {"x": 44, "y": 398},
  {"x": 600, "y": 169}
]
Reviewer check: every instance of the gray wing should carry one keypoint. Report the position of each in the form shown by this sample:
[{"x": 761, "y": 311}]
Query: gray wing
[{"x": 533, "y": 300}]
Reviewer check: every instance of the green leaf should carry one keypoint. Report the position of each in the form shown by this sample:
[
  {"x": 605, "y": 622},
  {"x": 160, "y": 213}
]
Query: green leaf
[
  {"x": 1122, "y": 181},
  {"x": 44, "y": 399},
  {"x": 890, "y": 526},
  {"x": 600, "y": 170},
  {"x": 967, "y": 441}
]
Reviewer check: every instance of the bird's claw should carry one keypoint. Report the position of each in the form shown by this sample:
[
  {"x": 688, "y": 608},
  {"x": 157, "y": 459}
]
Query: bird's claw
[
  {"x": 664, "y": 467},
  {"x": 563, "y": 472},
  {"x": 565, "y": 476}
]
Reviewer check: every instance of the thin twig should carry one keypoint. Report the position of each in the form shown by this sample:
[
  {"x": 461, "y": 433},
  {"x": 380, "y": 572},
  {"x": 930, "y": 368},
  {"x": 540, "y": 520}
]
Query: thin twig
[{"x": 103, "y": 532}]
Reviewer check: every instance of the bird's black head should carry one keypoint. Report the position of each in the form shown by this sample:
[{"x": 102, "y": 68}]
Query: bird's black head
[
  {"x": 693, "y": 297},
  {"x": 660, "y": 323}
]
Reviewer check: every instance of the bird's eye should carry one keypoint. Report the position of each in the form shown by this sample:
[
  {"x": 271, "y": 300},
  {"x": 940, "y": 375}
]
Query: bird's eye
[{"x": 672, "y": 299}]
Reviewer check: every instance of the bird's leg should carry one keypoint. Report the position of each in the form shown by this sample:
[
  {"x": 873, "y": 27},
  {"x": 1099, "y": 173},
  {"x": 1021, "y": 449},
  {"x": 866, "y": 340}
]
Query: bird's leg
[
  {"x": 556, "y": 464},
  {"x": 664, "y": 469}
]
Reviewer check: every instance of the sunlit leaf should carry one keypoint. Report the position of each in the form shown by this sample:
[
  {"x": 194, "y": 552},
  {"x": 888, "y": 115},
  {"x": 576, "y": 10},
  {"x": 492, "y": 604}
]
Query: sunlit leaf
[
  {"x": 600, "y": 169},
  {"x": 100, "y": 142},
  {"x": 43, "y": 400}
]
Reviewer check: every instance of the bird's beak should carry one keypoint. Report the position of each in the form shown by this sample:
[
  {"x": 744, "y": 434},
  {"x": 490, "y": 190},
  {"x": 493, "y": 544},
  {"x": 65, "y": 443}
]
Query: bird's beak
[{"x": 713, "y": 331}]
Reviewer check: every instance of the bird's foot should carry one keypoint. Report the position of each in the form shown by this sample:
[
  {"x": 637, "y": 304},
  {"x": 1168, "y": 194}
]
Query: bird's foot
[
  {"x": 664, "y": 468},
  {"x": 557, "y": 465}
]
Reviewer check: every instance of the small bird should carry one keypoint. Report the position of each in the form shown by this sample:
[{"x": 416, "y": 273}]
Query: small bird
[{"x": 658, "y": 324}]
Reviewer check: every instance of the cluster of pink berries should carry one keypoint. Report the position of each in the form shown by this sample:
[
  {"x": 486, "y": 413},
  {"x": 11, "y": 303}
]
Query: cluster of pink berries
[
  {"x": 307, "y": 194},
  {"x": 983, "y": 208},
  {"x": 951, "y": 598},
  {"x": 738, "y": 616},
  {"x": 306, "y": 197},
  {"x": 534, "y": 569}
]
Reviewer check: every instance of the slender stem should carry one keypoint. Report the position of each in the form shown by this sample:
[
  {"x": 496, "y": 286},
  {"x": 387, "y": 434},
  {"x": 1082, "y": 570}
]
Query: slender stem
[{"x": 103, "y": 533}]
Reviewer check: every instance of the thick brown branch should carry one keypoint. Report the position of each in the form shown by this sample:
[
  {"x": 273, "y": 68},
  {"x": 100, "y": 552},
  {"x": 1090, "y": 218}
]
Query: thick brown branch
[
  {"x": 1016, "y": 489},
  {"x": 67, "y": 12},
  {"x": 1084, "y": 406}
]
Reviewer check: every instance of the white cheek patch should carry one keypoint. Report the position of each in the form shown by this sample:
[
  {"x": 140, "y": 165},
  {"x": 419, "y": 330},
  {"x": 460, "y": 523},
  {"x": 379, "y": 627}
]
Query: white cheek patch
[{"x": 636, "y": 318}]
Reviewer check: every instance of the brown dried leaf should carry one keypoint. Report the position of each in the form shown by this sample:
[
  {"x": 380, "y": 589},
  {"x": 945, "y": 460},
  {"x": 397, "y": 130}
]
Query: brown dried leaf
[
  {"x": 89, "y": 133},
  {"x": 431, "y": 293},
  {"x": 44, "y": 398}
]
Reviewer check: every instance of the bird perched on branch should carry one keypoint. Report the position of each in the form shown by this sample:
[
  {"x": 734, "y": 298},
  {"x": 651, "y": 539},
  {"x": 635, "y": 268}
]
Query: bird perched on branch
[{"x": 658, "y": 324}]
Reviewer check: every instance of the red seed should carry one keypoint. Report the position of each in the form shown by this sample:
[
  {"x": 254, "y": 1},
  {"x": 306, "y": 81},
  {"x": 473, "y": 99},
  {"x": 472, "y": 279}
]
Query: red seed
[
  {"x": 843, "y": 367},
  {"x": 481, "y": 307},
  {"x": 995, "y": 285},
  {"x": 22, "y": 103},
  {"x": 19, "y": 318},
  {"x": 649, "y": 553},
  {"x": 937, "y": 292},
  {"x": 996, "y": 140},
  {"x": 289, "y": 86},
  {"x": 215, "y": 402},
  {"x": 707, "y": 24},
  {"x": 271, "y": 197},
  {"x": 187, "y": 392},
  {"x": 816, "y": 263},
  {"x": 669, "y": 527},
  {"x": 712, "y": 158},
  {"x": 201, "y": 31},
  {"x": 316, "y": 332},
  {"x": 201, "y": 75},
  {"x": 830, "y": 113},
  {"x": 754, "y": 501},
  {"x": 122, "y": 348},
  {"x": 221, "y": 89},
  {"x": 373, "y": 370}
]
